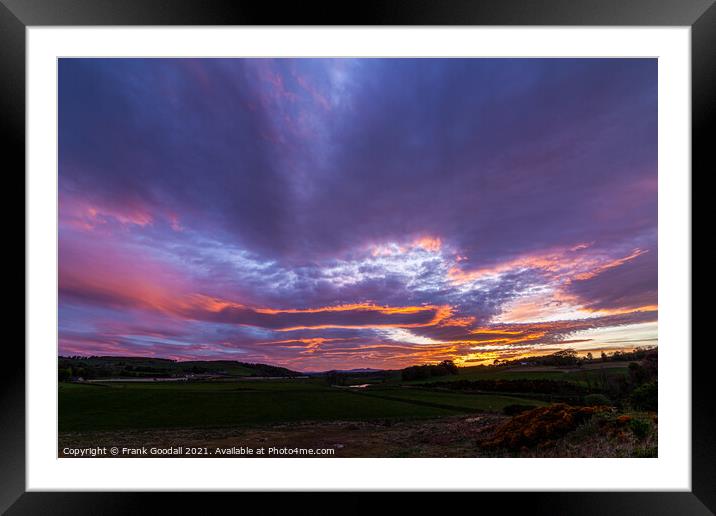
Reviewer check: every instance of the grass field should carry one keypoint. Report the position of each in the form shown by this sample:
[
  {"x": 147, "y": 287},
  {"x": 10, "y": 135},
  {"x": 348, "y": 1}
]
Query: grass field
[
  {"x": 455, "y": 400},
  {"x": 117, "y": 406},
  {"x": 359, "y": 415},
  {"x": 582, "y": 376}
]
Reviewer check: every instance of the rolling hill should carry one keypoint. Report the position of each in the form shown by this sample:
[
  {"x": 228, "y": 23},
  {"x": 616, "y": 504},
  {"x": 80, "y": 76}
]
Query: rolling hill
[{"x": 139, "y": 367}]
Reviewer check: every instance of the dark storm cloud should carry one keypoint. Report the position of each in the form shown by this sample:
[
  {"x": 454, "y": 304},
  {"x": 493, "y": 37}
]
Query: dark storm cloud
[
  {"x": 486, "y": 152},
  {"x": 181, "y": 135},
  {"x": 496, "y": 156}
]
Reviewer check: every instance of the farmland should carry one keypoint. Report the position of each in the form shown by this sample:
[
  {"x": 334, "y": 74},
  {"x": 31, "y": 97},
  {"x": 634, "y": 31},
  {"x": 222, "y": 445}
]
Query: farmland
[
  {"x": 595, "y": 409},
  {"x": 571, "y": 374},
  {"x": 215, "y": 404}
]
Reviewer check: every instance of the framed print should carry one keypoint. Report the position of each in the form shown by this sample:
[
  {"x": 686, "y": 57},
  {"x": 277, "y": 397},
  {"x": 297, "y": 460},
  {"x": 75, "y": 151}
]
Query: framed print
[{"x": 443, "y": 249}]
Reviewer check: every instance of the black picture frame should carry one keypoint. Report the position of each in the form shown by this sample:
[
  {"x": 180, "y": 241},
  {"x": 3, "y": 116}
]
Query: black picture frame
[{"x": 700, "y": 15}]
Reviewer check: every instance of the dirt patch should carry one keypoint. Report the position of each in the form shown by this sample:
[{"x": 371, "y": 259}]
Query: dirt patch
[
  {"x": 445, "y": 437},
  {"x": 555, "y": 431}
]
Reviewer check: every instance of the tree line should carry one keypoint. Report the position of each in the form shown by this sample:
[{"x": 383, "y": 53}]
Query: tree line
[{"x": 423, "y": 372}]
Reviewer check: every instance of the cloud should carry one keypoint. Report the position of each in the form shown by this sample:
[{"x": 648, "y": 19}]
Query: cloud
[
  {"x": 341, "y": 316},
  {"x": 323, "y": 212},
  {"x": 628, "y": 285}
]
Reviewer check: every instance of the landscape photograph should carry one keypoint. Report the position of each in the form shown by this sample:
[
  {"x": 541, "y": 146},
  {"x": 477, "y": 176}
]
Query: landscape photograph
[{"x": 364, "y": 257}]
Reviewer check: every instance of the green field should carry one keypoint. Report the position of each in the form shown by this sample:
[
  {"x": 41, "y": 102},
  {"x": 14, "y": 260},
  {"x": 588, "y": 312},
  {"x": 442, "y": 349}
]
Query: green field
[
  {"x": 455, "y": 400},
  {"x": 583, "y": 376},
  {"x": 155, "y": 405},
  {"x": 117, "y": 406}
]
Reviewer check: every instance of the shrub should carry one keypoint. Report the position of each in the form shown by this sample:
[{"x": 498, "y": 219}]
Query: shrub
[
  {"x": 645, "y": 397},
  {"x": 638, "y": 374},
  {"x": 640, "y": 427},
  {"x": 540, "y": 425},
  {"x": 596, "y": 399},
  {"x": 534, "y": 386},
  {"x": 64, "y": 374}
]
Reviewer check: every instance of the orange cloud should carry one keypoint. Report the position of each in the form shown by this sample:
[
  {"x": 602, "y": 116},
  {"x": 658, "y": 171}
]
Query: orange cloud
[
  {"x": 618, "y": 311},
  {"x": 565, "y": 263},
  {"x": 609, "y": 265},
  {"x": 356, "y": 315},
  {"x": 428, "y": 243}
]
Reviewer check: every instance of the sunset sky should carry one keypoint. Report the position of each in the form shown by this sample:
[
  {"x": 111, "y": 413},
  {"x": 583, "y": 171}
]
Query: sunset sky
[{"x": 351, "y": 213}]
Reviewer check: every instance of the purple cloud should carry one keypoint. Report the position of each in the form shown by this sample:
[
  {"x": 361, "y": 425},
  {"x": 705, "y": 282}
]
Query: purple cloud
[{"x": 468, "y": 193}]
